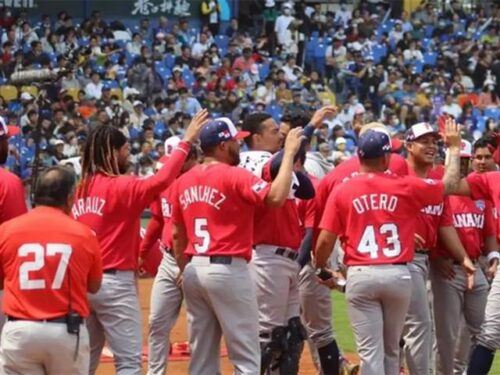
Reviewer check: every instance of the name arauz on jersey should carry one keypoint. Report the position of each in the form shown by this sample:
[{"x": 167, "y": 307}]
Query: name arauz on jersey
[
  {"x": 166, "y": 208},
  {"x": 203, "y": 194},
  {"x": 88, "y": 205},
  {"x": 468, "y": 220}
]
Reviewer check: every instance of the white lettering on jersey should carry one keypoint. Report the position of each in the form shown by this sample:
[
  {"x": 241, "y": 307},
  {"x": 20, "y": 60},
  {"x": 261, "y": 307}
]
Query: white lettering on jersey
[
  {"x": 468, "y": 220},
  {"x": 375, "y": 202},
  {"x": 436, "y": 210},
  {"x": 202, "y": 194},
  {"x": 166, "y": 208},
  {"x": 88, "y": 205}
]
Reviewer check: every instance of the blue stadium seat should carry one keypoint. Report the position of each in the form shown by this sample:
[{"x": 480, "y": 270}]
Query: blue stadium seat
[
  {"x": 493, "y": 113},
  {"x": 222, "y": 41},
  {"x": 430, "y": 58},
  {"x": 275, "y": 111}
]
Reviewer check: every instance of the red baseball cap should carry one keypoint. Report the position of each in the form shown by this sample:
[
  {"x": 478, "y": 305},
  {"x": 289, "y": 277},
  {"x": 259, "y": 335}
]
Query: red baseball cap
[{"x": 6, "y": 130}]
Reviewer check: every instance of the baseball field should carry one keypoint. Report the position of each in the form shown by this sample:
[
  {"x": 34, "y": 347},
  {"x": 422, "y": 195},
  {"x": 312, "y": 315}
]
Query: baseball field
[{"x": 179, "y": 334}]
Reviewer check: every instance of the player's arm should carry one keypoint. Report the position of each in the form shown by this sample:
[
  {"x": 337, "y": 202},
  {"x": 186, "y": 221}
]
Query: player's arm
[
  {"x": 324, "y": 247},
  {"x": 153, "y": 230},
  {"x": 449, "y": 237},
  {"x": 453, "y": 140},
  {"x": 280, "y": 187},
  {"x": 145, "y": 190},
  {"x": 492, "y": 254},
  {"x": 317, "y": 119},
  {"x": 305, "y": 248},
  {"x": 179, "y": 244},
  {"x": 94, "y": 279}
]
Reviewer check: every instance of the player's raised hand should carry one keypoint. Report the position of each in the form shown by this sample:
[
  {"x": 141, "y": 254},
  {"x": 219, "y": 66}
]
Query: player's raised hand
[
  {"x": 452, "y": 136},
  {"x": 469, "y": 270},
  {"x": 321, "y": 113},
  {"x": 293, "y": 140},
  {"x": 195, "y": 126}
]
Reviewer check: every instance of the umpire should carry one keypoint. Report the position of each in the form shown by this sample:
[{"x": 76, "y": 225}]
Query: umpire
[{"x": 48, "y": 263}]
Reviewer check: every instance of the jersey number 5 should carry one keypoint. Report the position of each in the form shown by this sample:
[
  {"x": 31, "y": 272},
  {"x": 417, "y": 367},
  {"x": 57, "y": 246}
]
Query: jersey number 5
[
  {"x": 368, "y": 243},
  {"x": 200, "y": 231},
  {"x": 39, "y": 253}
]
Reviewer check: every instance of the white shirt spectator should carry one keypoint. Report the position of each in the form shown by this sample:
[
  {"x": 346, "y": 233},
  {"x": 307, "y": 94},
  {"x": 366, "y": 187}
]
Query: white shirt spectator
[
  {"x": 134, "y": 48},
  {"x": 343, "y": 15},
  {"x": 289, "y": 74},
  {"x": 281, "y": 28},
  {"x": 199, "y": 49},
  {"x": 412, "y": 54},
  {"x": 94, "y": 90},
  {"x": 453, "y": 109}
]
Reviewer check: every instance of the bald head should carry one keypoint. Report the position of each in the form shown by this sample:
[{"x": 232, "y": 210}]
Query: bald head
[{"x": 55, "y": 187}]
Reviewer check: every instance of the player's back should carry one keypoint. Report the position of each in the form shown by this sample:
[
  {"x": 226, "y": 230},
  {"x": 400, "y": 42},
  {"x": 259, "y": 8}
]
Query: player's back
[
  {"x": 40, "y": 251},
  {"x": 217, "y": 205},
  {"x": 378, "y": 212}
]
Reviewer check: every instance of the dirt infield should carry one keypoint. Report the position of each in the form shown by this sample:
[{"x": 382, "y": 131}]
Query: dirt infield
[{"x": 179, "y": 334}]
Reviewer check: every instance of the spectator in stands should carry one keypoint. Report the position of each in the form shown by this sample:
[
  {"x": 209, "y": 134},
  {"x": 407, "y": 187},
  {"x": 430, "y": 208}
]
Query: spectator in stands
[
  {"x": 28, "y": 34},
  {"x": 488, "y": 97},
  {"x": 297, "y": 105},
  {"x": 245, "y": 62},
  {"x": 140, "y": 77},
  {"x": 290, "y": 69},
  {"x": 36, "y": 55},
  {"x": 137, "y": 117},
  {"x": 185, "y": 61},
  {"x": 31, "y": 124},
  {"x": 162, "y": 26},
  {"x": 232, "y": 30},
  {"x": 184, "y": 35},
  {"x": 281, "y": 27},
  {"x": 186, "y": 103},
  {"x": 94, "y": 87},
  {"x": 200, "y": 47},
  {"x": 135, "y": 45},
  {"x": 7, "y": 52},
  {"x": 210, "y": 13},
  {"x": 451, "y": 107}
]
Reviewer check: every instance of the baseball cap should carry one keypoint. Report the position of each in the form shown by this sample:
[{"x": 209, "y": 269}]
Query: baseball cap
[
  {"x": 220, "y": 130},
  {"x": 171, "y": 144},
  {"x": 8, "y": 130},
  {"x": 26, "y": 96},
  {"x": 419, "y": 130},
  {"x": 373, "y": 144},
  {"x": 58, "y": 142},
  {"x": 465, "y": 149}
]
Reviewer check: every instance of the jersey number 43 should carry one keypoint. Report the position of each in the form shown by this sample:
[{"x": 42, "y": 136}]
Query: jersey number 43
[
  {"x": 40, "y": 255},
  {"x": 390, "y": 234}
]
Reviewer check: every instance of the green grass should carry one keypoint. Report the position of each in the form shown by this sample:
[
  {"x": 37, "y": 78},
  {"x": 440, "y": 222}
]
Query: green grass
[{"x": 345, "y": 337}]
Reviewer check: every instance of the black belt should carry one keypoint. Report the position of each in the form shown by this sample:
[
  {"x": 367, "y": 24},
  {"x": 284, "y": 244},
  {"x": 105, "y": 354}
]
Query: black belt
[
  {"x": 110, "y": 271},
  {"x": 219, "y": 259},
  {"x": 399, "y": 264},
  {"x": 424, "y": 252},
  {"x": 286, "y": 253},
  {"x": 53, "y": 320}
]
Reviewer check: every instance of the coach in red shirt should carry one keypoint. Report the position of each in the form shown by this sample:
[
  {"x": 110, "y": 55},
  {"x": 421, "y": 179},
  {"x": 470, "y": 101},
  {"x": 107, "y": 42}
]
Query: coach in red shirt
[
  {"x": 373, "y": 215},
  {"x": 213, "y": 227}
]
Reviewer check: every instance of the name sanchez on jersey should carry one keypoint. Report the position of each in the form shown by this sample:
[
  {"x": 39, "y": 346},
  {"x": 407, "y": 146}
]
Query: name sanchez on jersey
[
  {"x": 88, "y": 205},
  {"x": 201, "y": 194}
]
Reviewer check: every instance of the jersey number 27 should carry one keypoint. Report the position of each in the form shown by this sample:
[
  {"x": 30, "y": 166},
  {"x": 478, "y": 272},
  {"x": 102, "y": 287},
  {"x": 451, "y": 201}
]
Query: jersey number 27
[
  {"x": 39, "y": 253},
  {"x": 369, "y": 245}
]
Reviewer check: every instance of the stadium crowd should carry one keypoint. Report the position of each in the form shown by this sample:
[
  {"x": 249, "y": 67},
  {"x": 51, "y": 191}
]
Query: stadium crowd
[{"x": 150, "y": 76}]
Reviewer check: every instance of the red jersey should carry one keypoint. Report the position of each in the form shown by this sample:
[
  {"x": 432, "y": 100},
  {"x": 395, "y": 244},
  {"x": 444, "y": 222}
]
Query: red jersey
[
  {"x": 343, "y": 172},
  {"x": 374, "y": 216},
  {"x": 216, "y": 204},
  {"x": 161, "y": 209},
  {"x": 487, "y": 186},
  {"x": 307, "y": 208},
  {"x": 39, "y": 253},
  {"x": 113, "y": 205},
  {"x": 432, "y": 217},
  {"x": 473, "y": 221},
  {"x": 12, "y": 200}
]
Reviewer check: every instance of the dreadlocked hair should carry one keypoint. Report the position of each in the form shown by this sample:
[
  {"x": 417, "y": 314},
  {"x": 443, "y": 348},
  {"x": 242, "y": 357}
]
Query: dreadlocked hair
[{"x": 98, "y": 155}]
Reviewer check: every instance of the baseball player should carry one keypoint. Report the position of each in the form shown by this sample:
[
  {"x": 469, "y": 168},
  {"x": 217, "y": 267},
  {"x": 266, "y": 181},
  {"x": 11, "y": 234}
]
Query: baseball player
[
  {"x": 452, "y": 299},
  {"x": 48, "y": 263},
  {"x": 486, "y": 186},
  {"x": 277, "y": 239},
  {"x": 12, "y": 198},
  {"x": 315, "y": 299},
  {"x": 482, "y": 160},
  {"x": 373, "y": 215},
  {"x": 212, "y": 220},
  {"x": 166, "y": 294},
  {"x": 111, "y": 205},
  {"x": 422, "y": 146}
]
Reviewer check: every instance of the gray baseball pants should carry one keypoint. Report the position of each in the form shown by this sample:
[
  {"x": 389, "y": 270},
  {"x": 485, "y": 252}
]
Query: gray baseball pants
[
  {"x": 417, "y": 332},
  {"x": 116, "y": 317},
  {"x": 221, "y": 300},
  {"x": 378, "y": 298},
  {"x": 165, "y": 305},
  {"x": 452, "y": 303}
]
